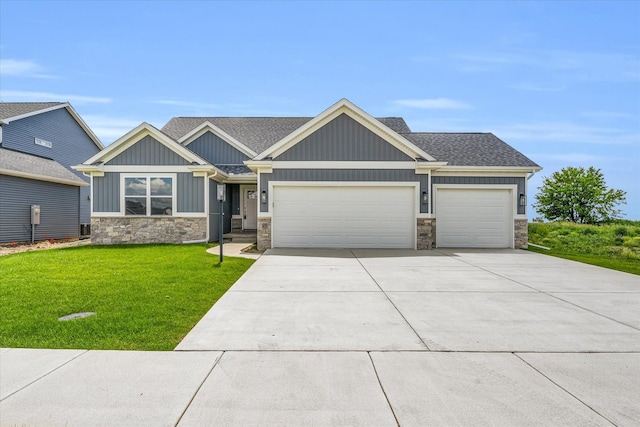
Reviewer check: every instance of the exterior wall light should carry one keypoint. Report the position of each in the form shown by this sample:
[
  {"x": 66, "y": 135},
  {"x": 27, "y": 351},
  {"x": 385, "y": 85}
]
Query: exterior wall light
[
  {"x": 425, "y": 197},
  {"x": 523, "y": 200},
  {"x": 263, "y": 197}
]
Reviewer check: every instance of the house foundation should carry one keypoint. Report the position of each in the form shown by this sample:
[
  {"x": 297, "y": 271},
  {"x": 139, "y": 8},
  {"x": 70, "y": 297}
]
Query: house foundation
[{"x": 123, "y": 230}]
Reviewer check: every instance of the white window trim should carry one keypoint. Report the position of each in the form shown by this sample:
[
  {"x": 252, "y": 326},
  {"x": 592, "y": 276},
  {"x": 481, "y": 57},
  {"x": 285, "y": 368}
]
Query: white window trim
[{"x": 148, "y": 196}]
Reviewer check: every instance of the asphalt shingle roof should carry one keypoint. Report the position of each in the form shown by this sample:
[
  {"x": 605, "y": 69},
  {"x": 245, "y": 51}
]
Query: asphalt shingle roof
[
  {"x": 47, "y": 169},
  {"x": 457, "y": 149},
  {"x": 469, "y": 149},
  {"x": 235, "y": 169},
  {"x": 257, "y": 133},
  {"x": 13, "y": 109}
]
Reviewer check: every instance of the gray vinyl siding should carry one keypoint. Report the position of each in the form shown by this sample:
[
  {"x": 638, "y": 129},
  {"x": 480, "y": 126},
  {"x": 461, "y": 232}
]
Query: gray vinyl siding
[
  {"x": 483, "y": 180},
  {"x": 106, "y": 192},
  {"x": 347, "y": 175},
  {"x": 215, "y": 150},
  {"x": 343, "y": 139},
  {"x": 59, "y": 204},
  {"x": 149, "y": 152},
  {"x": 70, "y": 144},
  {"x": 190, "y": 191}
]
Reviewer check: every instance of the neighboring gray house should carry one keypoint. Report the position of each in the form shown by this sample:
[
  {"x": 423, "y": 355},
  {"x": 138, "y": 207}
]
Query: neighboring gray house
[
  {"x": 39, "y": 141},
  {"x": 342, "y": 179}
]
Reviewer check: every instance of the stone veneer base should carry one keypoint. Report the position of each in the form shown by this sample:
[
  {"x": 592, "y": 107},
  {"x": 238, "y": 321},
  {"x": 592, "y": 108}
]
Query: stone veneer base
[
  {"x": 426, "y": 233},
  {"x": 520, "y": 233},
  {"x": 165, "y": 229},
  {"x": 264, "y": 234}
]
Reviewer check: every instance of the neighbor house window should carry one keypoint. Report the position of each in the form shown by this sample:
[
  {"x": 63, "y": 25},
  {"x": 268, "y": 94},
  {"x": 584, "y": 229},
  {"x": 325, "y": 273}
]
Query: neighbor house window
[{"x": 148, "y": 195}]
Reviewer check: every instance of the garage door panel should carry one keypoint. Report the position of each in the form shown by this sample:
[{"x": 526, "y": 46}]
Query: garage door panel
[
  {"x": 479, "y": 218},
  {"x": 344, "y": 216}
]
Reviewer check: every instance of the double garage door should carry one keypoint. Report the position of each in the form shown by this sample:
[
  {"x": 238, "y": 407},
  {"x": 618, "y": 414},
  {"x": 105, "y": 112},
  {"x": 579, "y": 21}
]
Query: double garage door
[
  {"x": 344, "y": 216},
  {"x": 385, "y": 217},
  {"x": 474, "y": 218}
]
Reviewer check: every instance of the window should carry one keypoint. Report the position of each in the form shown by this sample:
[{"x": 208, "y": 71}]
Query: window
[{"x": 148, "y": 195}]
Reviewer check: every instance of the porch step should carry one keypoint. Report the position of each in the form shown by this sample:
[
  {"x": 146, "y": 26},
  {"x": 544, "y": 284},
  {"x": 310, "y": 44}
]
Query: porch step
[{"x": 241, "y": 237}]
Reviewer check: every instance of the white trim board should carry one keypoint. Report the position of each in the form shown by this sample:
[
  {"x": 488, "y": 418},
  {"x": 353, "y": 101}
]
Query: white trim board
[{"x": 344, "y": 106}]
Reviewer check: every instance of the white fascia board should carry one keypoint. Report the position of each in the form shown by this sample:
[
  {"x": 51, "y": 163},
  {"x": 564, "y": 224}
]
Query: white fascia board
[
  {"x": 71, "y": 111},
  {"x": 84, "y": 126},
  {"x": 88, "y": 168},
  {"x": 42, "y": 178},
  {"x": 135, "y": 135},
  {"x": 263, "y": 166},
  {"x": 342, "y": 165},
  {"x": 506, "y": 169},
  {"x": 347, "y": 107},
  {"x": 210, "y": 127},
  {"x": 424, "y": 168},
  {"x": 34, "y": 113}
]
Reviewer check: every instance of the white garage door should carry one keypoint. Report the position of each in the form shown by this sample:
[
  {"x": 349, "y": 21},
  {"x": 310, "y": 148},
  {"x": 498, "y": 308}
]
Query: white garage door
[
  {"x": 343, "y": 217},
  {"x": 474, "y": 218}
]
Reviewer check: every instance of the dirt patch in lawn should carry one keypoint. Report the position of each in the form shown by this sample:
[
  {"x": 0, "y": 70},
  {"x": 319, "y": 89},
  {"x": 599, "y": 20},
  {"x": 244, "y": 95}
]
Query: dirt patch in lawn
[{"x": 8, "y": 249}]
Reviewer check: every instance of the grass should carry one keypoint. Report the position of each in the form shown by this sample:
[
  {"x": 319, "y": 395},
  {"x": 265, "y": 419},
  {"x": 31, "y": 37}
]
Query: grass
[
  {"x": 615, "y": 245},
  {"x": 146, "y": 297}
]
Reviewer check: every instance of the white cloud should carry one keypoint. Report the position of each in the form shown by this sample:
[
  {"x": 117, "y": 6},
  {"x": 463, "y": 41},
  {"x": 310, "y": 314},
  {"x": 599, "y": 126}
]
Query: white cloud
[
  {"x": 432, "y": 104},
  {"x": 22, "y": 68},
  {"x": 20, "y": 95},
  {"x": 558, "y": 132},
  {"x": 578, "y": 66},
  {"x": 187, "y": 104},
  {"x": 109, "y": 128}
]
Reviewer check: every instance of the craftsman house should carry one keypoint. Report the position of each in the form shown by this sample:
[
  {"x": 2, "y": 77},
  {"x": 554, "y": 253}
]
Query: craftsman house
[{"x": 342, "y": 179}]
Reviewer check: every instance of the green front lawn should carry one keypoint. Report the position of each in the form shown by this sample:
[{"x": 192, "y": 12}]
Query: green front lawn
[
  {"x": 615, "y": 245},
  {"x": 146, "y": 297}
]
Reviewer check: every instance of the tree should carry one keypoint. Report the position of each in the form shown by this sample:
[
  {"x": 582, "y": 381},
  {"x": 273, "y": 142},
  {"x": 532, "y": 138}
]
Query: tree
[{"x": 578, "y": 195}]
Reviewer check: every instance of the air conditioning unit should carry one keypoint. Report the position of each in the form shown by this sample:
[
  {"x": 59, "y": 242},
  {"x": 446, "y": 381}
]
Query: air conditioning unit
[{"x": 85, "y": 230}]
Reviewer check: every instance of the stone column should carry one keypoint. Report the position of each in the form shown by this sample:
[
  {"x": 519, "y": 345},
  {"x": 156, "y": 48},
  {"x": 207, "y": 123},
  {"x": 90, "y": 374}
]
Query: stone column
[
  {"x": 520, "y": 233},
  {"x": 264, "y": 234},
  {"x": 426, "y": 232}
]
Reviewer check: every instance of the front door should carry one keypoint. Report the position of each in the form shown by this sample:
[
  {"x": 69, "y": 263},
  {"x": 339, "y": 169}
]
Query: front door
[{"x": 250, "y": 207}]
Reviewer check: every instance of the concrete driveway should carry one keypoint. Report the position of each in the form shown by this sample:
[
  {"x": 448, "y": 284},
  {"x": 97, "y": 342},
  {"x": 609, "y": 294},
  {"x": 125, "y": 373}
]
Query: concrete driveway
[{"x": 367, "y": 337}]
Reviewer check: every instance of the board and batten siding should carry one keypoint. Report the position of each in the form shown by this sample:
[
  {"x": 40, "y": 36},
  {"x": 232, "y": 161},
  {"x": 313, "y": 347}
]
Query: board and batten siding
[
  {"x": 190, "y": 192},
  {"x": 217, "y": 151},
  {"x": 345, "y": 175},
  {"x": 343, "y": 139},
  {"x": 483, "y": 180},
  {"x": 189, "y": 189},
  {"x": 70, "y": 144},
  {"x": 148, "y": 152},
  {"x": 59, "y": 206},
  {"x": 106, "y": 192}
]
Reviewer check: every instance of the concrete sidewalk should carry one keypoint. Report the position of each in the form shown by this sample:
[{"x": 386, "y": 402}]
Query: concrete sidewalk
[{"x": 366, "y": 337}]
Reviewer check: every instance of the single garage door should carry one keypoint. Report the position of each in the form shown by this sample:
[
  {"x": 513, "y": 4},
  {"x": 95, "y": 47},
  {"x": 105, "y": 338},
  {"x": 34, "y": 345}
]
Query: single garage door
[
  {"x": 343, "y": 217},
  {"x": 474, "y": 218}
]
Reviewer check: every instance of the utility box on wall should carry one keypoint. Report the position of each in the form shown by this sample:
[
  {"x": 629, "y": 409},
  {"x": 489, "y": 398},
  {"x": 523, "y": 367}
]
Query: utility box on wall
[{"x": 35, "y": 214}]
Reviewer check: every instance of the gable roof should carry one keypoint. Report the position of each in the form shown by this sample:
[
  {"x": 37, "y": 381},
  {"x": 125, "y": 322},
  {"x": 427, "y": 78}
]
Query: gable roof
[
  {"x": 470, "y": 149},
  {"x": 10, "y": 111},
  {"x": 16, "y": 163},
  {"x": 344, "y": 106},
  {"x": 257, "y": 133},
  {"x": 136, "y": 134}
]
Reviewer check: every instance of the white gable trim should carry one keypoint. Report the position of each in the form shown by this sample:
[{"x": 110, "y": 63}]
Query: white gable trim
[
  {"x": 207, "y": 126},
  {"x": 39, "y": 177},
  {"x": 134, "y": 136},
  {"x": 71, "y": 111},
  {"x": 345, "y": 106}
]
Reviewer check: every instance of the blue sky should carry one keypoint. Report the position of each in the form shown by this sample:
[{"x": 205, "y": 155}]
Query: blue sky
[{"x": 559, "y": 81}]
